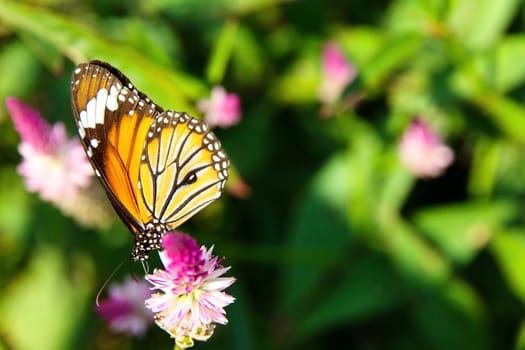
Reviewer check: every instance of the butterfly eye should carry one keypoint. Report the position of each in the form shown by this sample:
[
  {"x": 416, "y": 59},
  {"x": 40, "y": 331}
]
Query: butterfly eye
[{"x": 190, "y": 178}]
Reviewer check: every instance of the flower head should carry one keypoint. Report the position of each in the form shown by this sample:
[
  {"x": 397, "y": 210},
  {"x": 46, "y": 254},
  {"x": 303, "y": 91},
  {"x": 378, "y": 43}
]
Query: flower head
[
  {"x": 337, "y": 73},
  {"x": 52, "y": 165},
  {"x": 124, "y": 308},
  {"x": 221, "y": 109},
  {"x": 190, "y": 297},
  {"x": 423, "y": 152},
  {"x": 55, "y": 166}
]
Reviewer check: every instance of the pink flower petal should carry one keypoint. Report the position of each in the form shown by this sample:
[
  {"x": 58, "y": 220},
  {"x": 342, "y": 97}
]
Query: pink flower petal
[
  {"x": 190, "y": 297},
  {"x": 124, "y": 308},
  {"x": 337, "y": 73},
  {"x": 33, "y": 129},
  {"x": 221, "y": 109},
  {"x": 423, "y": 152}
]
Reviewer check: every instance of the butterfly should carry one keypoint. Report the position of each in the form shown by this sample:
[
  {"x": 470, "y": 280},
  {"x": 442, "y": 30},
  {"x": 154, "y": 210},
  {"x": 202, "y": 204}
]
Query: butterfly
[{"x": 157, "y": 167}]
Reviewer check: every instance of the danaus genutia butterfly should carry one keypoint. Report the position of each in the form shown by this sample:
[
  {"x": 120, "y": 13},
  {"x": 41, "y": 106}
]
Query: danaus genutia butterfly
[{"x": 158, "y": 167}]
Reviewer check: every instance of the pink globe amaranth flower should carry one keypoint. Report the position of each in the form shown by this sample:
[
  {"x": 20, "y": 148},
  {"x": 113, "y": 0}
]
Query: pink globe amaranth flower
[
  {"x": 190, "y": 297},
  {"x": 53, "y": 165},
  {"x": 337, "y": 73},
  {"x": 31, "y": 127},
  {"x": 56, "y": 167},
  {"x": 423, "y": 152},
  {"x": 221, "y": 109},
  {"x": 124, "y": 308}
]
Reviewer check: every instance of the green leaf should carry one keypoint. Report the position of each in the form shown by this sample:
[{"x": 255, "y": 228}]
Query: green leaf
[
  {"x": 507, "y": 114},
  {"x": 166, "y": 86},
  {"x": 300, "y": 83},
  {"x": 16, "y": 61},
  {"x": 468, "y": 228},
  {"x": 364, "y": 289},
  {"x": 153, "y": 36},
  {"x": 185, "y": 8},
  {"x": 391, "y": 56},
  {"x": 480, "y": 23},
  {"x": 397, "y": 186},
  {"x": 520, "y": 340},
  {"x": 238, "y": 315},
  {"x": 15, "y": 214},
  {"x": 485, "y": 158},
  {"x": 361, "y": 43},
  {"x": 221, "y": 52},
  {"x": 500, "y": 69},
  {"x": 451, "y": 318},
  {"x": 417, "y": 260},
  {"x": 503, "y": 67},
  {"x": 508, "y": 247},
  {"x": 320, "y": 230},
  {"x": 248, "y": 57},
  {"x": 45, "y": 294},
  {"x": 399, "y": 11}
]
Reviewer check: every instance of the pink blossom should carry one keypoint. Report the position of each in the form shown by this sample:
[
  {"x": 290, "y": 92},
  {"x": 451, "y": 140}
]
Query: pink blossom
[
  {"x": 55, "y": 166},
  {"x": 190, "y": 297},
  {"x": 124, "y": 308},
  {"x": 221, "y": 109},
  {"x": 423, "y": 152},
  {"x": 337, "y": 73},
  {"x": 33, "y": 129}
]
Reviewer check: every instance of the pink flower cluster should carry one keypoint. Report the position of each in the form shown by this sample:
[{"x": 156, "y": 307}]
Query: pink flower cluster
[
  {"x": 423, "y": 152},
  {"x": 189, "y": 297},
  {"x": 337, "y": 73},
  {"x": 56, "y": 167},
  {"x": 53, "y": 165},
  {"x": 221, "y": 109},
  {"x": 124, "y": 308}
]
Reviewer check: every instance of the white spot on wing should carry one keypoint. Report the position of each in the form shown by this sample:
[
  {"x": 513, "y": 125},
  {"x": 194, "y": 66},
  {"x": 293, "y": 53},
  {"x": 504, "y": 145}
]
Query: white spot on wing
[
  {"x": 83, "y": 119},
  {"x": 102, "y": 96},
  {"x": 94, "y": 143},
  {"x": 91, "y": 113},
  {"x": 112, "y": 104}
]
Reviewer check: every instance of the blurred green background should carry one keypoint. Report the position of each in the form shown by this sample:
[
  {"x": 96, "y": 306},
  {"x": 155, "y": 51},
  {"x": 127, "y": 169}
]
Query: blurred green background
[{"x": 337, "y": 245}]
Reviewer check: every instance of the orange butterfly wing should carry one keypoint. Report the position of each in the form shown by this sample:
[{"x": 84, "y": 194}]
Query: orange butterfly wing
[
  {"x": 183, "y": 168},
  {"x": 113, "y": 119}
]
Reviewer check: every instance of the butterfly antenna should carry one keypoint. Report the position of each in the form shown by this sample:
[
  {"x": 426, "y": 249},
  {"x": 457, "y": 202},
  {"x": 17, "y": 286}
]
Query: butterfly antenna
[
  {"x": 107, "y": 281},
  {"x": 145, "y": 266}
]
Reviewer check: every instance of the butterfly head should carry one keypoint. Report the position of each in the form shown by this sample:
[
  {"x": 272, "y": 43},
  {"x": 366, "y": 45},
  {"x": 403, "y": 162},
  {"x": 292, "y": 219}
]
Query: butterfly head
[{"x": 146, "y": 241}]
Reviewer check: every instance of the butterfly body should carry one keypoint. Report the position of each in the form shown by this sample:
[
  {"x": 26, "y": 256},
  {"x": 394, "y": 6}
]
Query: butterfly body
[{"x": 158, "y": 167}]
